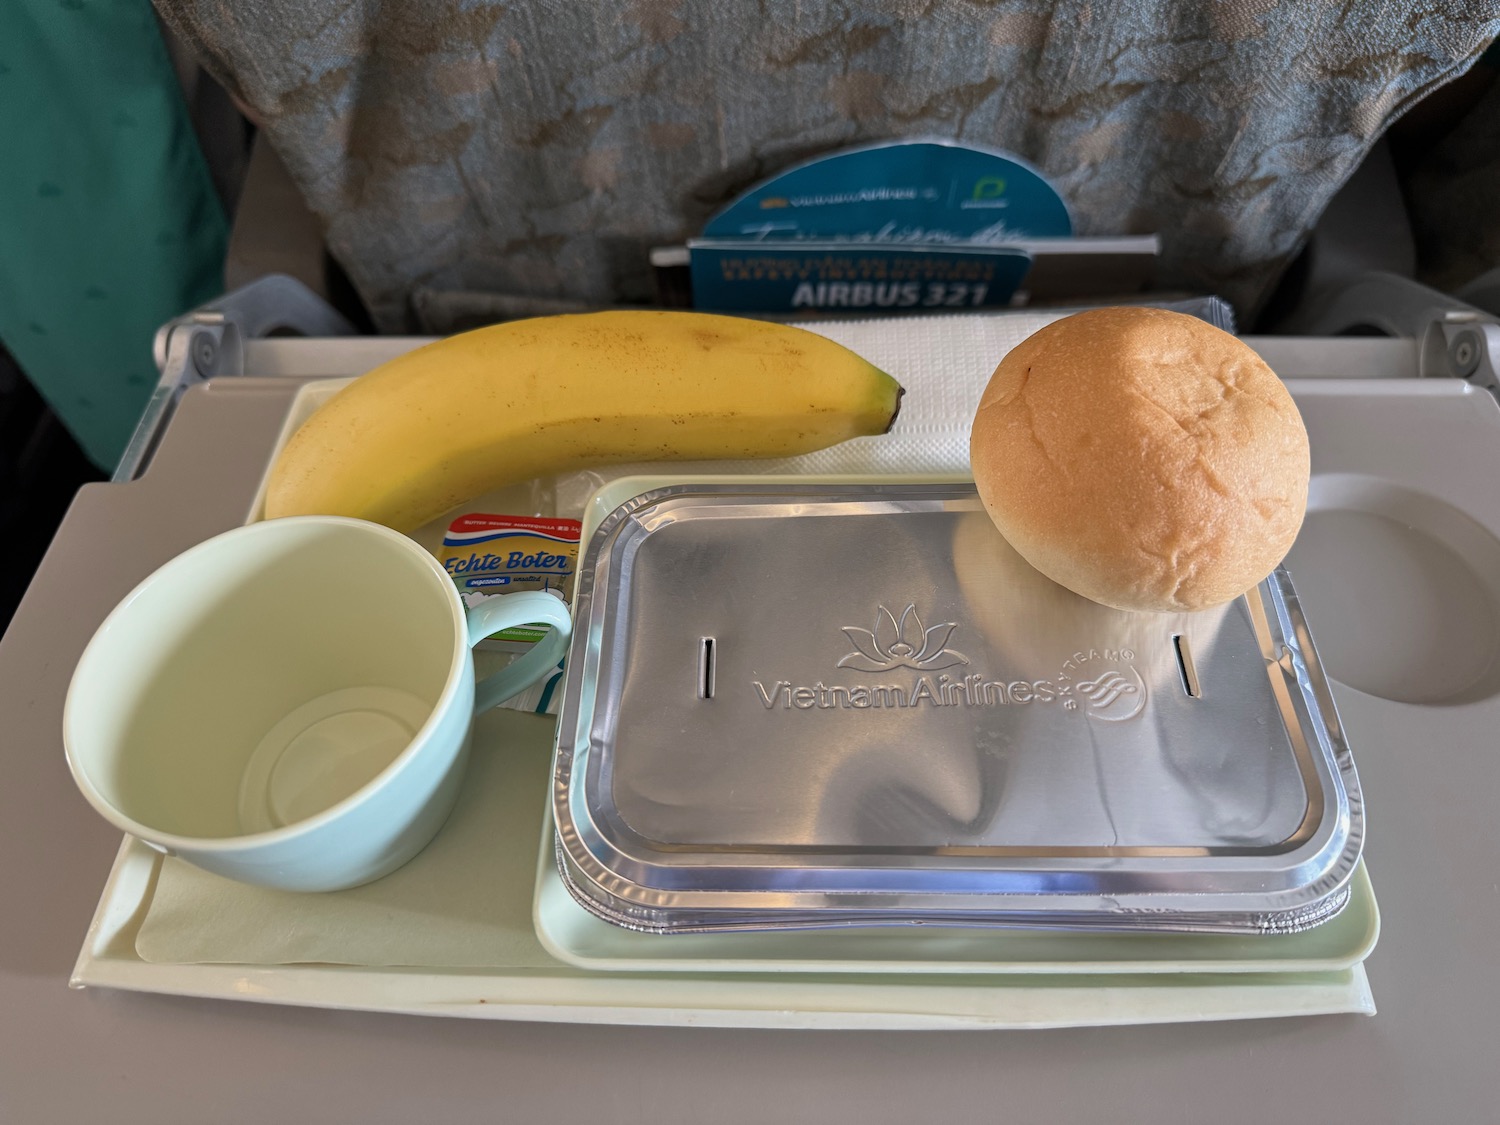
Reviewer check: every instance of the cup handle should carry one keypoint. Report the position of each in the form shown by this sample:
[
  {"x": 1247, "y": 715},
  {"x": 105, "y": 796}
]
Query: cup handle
[{"x": 532, "y": 607}]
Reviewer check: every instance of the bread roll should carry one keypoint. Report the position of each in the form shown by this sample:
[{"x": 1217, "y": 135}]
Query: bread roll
[{"x": 1142, "y": 458}]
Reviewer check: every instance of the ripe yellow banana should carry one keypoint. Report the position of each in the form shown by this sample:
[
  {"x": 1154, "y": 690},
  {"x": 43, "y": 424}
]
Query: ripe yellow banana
[{"x": 433, "y": 428}]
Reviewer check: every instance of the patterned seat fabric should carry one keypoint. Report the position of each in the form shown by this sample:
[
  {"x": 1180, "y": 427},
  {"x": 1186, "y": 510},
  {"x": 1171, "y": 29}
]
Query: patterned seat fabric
[{"x": 539, "y": 150}]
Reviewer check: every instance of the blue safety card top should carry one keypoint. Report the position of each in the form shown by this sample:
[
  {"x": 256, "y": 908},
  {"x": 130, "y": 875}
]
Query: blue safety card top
[{"x": 906, "y": 225}]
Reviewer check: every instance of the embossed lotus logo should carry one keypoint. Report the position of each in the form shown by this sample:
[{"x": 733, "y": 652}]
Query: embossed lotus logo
[{"x": 906, "y": 644}]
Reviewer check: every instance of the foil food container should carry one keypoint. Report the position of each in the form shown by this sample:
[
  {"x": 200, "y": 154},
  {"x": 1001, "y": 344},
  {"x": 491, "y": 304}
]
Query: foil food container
[{"x": 837, "y": 704}]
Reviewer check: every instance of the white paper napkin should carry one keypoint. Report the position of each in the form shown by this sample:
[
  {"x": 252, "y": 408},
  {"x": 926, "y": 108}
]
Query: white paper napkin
[{"x": 944, "y": 362}]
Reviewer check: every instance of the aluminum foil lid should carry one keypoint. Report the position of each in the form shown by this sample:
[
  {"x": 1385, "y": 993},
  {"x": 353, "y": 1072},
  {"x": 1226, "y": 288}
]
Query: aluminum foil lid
[{"x": 841, "y": 702}]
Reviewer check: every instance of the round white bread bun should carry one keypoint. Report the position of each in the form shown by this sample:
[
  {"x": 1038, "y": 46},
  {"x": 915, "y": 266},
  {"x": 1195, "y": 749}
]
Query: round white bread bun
[{"x": 1142, "y": 458}]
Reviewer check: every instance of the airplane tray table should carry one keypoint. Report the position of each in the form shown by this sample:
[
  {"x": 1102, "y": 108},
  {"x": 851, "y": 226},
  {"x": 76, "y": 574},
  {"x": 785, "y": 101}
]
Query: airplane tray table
[{"x": 1398, "y": 551}]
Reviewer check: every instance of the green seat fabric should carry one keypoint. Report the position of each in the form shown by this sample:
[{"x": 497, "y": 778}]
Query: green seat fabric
[{"x": 109, "y": 225}]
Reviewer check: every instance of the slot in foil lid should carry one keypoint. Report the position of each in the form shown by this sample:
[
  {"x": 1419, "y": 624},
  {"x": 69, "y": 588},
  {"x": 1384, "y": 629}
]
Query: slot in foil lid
[{"x": 834, "y": 701}]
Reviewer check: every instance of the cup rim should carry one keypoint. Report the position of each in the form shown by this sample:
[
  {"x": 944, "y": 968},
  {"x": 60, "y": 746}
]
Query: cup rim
[{"x": 227, "y": 845}]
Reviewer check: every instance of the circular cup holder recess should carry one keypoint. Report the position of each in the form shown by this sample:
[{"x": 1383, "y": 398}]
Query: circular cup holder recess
[{"x": 1401, "y": 591}]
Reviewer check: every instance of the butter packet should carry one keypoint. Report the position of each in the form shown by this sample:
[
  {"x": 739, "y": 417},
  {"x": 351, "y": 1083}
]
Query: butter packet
[{"x": 488, "y": 555}]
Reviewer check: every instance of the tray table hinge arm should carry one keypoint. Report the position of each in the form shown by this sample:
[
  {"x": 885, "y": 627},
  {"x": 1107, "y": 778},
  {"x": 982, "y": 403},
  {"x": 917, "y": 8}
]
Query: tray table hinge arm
[{"x": 209, "y": 342}]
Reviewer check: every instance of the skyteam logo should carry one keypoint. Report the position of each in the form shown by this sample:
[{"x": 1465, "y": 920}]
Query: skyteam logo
[
  {"x": 1113, "y": 696},
  {"x": 1102, "y": 684}
]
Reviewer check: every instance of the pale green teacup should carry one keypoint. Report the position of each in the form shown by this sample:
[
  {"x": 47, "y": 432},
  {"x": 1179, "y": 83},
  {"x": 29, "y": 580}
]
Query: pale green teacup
[{"x": 289, "y": 703}]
